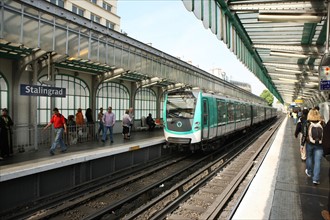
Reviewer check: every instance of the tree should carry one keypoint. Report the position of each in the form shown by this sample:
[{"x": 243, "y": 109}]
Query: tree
[{"x": 268, "y": 97}]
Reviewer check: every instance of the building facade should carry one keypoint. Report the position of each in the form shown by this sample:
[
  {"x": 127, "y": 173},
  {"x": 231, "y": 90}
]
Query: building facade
[{"x": 103, "y": 12}]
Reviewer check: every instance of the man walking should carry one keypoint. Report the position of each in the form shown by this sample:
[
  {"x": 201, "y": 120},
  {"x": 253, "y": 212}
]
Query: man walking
[
  {"x": 109, "y": 121},
  {"x": 60, "y": 125}
]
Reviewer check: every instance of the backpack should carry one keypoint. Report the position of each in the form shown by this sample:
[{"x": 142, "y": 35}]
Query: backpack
[{"x": 315, "y": 133}]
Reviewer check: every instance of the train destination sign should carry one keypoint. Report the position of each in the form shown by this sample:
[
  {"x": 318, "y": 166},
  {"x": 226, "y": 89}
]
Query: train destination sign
[{"x": 33, "y": 90}]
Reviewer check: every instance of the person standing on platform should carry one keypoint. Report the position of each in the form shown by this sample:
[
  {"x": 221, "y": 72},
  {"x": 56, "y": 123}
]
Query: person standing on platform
[
  {"x": 99, "y": 118},
  {"x": 314, "y": 148},
  {"x": 131, "y": 115},
  {"x": 299, "y": 113},
  {"x": 295, "y": 117},
  {"x": 302, "y": 123},
  {"x": 6, "y": 138},
  {"x": 326, "y": 154},
  {"x": 72, "y": 131},
  {"x": 90, "y": 123},
  {"x": 60, "y": 126},
  {"x": 109, "y": 121},
  {"x": 79, "y": 117},
  {"x": 126, "y": 124},
  {"x": 80, "y": 123}
]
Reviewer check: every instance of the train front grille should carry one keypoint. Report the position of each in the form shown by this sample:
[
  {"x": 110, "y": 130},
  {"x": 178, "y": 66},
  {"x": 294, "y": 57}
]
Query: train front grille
[{"x": 176, "y": 140}]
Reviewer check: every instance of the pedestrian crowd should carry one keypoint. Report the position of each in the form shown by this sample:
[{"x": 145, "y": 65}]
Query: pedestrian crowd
[
  {"x": 77, "y": 127},
  {"x": 73, "y": 129},
  {"x": 314, "y": 143}
]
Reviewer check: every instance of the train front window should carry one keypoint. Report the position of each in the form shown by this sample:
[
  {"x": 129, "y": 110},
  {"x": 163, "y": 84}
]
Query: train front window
[{"x": 181, "y": 105}]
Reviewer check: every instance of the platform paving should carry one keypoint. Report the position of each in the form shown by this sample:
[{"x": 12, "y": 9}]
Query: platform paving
[
  {"x": 281, "y": 189},
  {"x": 42, "y": 153}
]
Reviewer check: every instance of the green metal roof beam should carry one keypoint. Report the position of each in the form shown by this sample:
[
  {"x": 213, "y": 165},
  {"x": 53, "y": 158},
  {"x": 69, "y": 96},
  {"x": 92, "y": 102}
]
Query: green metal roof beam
[{"x": 263, "y": 76}]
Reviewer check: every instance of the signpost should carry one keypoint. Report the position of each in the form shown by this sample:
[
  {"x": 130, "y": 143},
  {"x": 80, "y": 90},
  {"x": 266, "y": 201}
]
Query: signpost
[
  {"x": 324, "y": 73},
  {"x": 33, "y": 90}
]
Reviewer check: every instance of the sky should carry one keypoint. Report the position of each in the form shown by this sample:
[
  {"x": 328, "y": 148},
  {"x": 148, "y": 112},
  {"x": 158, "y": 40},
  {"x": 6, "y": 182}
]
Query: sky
[{"x": 169, "y": 27}]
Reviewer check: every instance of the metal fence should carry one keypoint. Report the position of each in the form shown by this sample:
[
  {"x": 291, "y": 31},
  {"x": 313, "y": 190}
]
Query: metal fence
[{"x": 24, "y": 136}]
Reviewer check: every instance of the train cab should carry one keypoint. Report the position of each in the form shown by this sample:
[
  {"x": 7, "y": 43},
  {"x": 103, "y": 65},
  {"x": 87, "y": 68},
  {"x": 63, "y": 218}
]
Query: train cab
[{"x": 182, "y": 114}]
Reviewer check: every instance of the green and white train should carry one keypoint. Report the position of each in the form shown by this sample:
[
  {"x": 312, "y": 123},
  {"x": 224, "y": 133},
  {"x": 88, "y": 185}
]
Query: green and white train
[{"x": 195, "y": 120}]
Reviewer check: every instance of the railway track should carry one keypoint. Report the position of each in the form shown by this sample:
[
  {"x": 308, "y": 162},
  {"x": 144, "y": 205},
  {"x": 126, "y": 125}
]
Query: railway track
[
  {"x": 36, "y": 207},
  {"x": 209, "y": 193},
  {"x": 136, "y": 195},
  {"x": 116, "y": 198}
]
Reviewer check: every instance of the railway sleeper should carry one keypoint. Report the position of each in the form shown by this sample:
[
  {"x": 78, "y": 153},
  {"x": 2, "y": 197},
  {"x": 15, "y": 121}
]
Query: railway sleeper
[
  {"x": 193, "y": 208},
  {"x": 177, "y": 217}
]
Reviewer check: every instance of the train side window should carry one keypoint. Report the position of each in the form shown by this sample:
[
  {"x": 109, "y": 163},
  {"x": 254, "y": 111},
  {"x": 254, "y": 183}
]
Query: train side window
[
  {"x": 237, "y": 112},
  {"x": 205, "y": 112},
  {"x": 248, "y": 112},
  {"x": 242, "y": 112},
  {"x": 231, "y": 112},
  {"x": 222, "y": 111},
  {"x": 255, "y": 111}
]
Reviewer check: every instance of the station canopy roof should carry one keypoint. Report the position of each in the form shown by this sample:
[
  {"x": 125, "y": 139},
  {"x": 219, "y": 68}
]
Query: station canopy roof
[{"x": 281, "y": 42}]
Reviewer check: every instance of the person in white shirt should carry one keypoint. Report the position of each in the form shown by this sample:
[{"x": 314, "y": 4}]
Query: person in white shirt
[
  {"x": 109, "y": 121},
  {"x": 126, "y": 124}
]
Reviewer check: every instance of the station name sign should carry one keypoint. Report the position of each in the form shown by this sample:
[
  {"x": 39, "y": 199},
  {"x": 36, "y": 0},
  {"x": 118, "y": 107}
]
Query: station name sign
[
  {"x": 33, "y": 90},
  {"x": 325, "y": 85}
]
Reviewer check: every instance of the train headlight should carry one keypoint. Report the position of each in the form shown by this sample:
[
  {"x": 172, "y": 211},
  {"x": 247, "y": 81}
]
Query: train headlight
[{"x": 197, "y": 125}]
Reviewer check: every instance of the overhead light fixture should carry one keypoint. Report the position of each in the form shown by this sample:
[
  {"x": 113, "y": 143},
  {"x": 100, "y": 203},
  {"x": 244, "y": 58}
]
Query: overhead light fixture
[
  {"x": 114, "y": 74},
  {"x": 118, "y": 71},
  {"x": 289, "y": 18},
  {"x": 292, "y": 55},
  {"x": 288, "y": 80},
  {"x": 312, "y": 83},
  {"x": 175, "y": 87},
  {"x": 283, "y": 75},
  {"x": 113, "y": 77},
  {"x": 150, "y": 84},
  {"x": 288, "y": 70}
]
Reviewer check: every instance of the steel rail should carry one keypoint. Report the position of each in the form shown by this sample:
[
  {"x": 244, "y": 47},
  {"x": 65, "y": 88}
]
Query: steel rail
[
  {"x": 76, "y": 192},
  {"x": 120, "y": 203},
  {"x": 211, "y": 169},
  {"x": 213, "y": 211}
]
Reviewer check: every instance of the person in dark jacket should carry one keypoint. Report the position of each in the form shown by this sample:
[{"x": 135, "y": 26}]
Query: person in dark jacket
[
  {"x": 6, "y": 139},
  {"x": 90, "y": 123},
  {"x": 326, "y": 154},
  {"x": 150, "y": 122},
  {"x": 301, "y": 122}
]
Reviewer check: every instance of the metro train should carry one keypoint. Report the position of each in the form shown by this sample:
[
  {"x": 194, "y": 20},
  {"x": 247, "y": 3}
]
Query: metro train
[{"x": 195, "y": 120}]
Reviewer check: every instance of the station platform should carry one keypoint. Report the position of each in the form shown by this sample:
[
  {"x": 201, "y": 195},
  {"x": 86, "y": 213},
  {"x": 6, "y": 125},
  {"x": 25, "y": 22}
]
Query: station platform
[
  {"x": 32, "y": 162},
  {"x": 281, "y": 189}
]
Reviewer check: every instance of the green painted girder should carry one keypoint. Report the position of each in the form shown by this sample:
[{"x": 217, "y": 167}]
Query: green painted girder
[
  {"x": 261, "y": 71},
  {"x": 79, "y": 67},
  {"x": 13, "y": 52}
]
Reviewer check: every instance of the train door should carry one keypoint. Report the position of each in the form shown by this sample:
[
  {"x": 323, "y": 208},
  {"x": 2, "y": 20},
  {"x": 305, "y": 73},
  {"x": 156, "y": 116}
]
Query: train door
[
  {"x": 206, "y": 122},
  {"x": 222, "y": 117}
]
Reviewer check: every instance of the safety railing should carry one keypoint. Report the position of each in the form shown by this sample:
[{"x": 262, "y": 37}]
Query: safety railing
[{"x": 23, "y": 136}]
